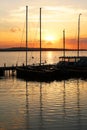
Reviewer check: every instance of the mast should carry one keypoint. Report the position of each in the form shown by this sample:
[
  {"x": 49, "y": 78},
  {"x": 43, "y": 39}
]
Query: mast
[
  {"x": 64, "y": 44},
  {"x": 26, "y": 32},
  {"x": 40, "y": 36},
  {"x": 78, "y": 34}
]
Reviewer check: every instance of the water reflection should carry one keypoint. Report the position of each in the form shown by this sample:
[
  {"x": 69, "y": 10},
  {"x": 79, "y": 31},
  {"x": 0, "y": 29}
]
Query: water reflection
[
  {"x": 78, "y": 109},
  {"x": 64, "y": 99},
  {"x": 45, "y": 115},
  {"x": 78, "y": 106},
  {"x": 41, "y": 107},
  {"x": 27, "y": 107},
  {"x": 28, "y": 114}
]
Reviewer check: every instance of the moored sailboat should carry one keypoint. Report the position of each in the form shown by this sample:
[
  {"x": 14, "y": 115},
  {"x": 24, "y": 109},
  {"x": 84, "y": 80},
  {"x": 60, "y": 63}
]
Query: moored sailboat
[
  {"x": 35, "y": 72},
  {"x": 74, "y": 66}
]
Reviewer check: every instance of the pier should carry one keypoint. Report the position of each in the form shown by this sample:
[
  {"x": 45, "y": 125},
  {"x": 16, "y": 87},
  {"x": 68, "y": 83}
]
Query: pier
[{"x": 11, "y": 70}]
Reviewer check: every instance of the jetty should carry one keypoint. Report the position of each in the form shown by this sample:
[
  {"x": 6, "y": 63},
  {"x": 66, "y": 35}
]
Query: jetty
[{"x": 10, "y": 69}]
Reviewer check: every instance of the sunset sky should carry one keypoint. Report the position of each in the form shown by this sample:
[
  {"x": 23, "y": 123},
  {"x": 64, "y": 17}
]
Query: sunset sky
[{"x": 56, "y": 16}]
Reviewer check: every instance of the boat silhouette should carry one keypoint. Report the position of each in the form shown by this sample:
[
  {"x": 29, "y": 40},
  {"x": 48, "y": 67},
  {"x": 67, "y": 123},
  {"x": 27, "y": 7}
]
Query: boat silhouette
[
  {"x": 74, "y": 66},
  {"x": 38, "y": 72}
]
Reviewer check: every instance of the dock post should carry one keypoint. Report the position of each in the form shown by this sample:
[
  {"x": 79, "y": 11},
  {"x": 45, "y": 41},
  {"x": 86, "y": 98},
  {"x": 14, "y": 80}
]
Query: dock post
[
  {"x": 4, "y": 68},
  {"x": 9, "y": 73}
]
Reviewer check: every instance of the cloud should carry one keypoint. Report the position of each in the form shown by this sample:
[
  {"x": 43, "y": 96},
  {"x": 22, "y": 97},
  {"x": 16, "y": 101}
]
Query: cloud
[
  {"x": 15, "y": 29},
  {"x": 73, "y": 43}
]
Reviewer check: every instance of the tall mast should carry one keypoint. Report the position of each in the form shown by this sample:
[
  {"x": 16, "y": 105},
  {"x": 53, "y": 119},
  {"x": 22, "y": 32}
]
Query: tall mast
[
  {"x": 64, "y": 43},
  {"x": 40, "y": 36},
  {"x": 78, "y": 33},
  {"x": 26, "y": 32}
]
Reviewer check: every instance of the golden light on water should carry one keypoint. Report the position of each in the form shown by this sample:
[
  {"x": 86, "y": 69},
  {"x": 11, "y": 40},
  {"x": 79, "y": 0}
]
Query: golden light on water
[{"x": 50, "y": 57}]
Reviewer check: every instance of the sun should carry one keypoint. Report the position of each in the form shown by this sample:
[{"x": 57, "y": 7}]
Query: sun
[{"x": 49, "y": 38}]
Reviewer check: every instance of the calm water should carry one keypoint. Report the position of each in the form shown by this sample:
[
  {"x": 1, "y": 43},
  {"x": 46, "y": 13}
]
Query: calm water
[{"x": 59, "y": 105}]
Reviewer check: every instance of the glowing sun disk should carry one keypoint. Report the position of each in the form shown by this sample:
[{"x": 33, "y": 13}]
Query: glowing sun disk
[{"x": 49, "y": 38}]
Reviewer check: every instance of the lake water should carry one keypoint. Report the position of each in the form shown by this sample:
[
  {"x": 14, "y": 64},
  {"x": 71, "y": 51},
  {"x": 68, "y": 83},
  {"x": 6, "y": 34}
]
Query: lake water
[{"x": 58, "y": 105}]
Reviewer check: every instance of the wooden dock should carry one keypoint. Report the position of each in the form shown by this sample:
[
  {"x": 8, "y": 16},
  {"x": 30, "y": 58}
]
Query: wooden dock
[{"x": 8, "y": 69}]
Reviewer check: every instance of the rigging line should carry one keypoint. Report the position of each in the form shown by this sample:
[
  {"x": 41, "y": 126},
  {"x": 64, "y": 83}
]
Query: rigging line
[
  {"x": 34, "y": 34},
  {"x": 34, "y": 41},
  {"x": 76, "y": 36},
  {"x": 21, "y": 42},
  {"x": 35, "y": 25},
  {"x": 35, "y": 38},
  {"x": 44, "y": 34}
]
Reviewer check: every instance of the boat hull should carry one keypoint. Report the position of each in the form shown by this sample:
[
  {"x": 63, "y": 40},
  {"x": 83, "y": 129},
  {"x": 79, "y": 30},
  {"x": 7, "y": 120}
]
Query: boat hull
[
  {"x": 36, "y": 75},
  {"x": 47, "y": 74}
]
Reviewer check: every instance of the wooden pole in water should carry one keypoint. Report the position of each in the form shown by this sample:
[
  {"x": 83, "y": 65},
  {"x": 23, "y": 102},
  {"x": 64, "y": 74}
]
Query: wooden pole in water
[
  {"x": 40, "y": 36},
  {"x": 78, "y": 34},
  {"x": 26, "y": 32}
]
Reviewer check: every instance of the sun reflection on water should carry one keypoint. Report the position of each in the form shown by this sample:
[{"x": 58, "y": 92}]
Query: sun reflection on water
[{"x": 50, "y": 58}]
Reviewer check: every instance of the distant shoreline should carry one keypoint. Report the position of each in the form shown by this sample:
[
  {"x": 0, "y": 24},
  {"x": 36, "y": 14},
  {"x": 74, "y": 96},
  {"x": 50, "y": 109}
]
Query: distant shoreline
[{"x": 37, "y": 49}]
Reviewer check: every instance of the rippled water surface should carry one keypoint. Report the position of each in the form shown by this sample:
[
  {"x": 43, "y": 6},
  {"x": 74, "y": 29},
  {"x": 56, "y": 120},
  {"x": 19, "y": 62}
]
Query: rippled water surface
[
  {"x": 59, "y": 105},
  {"x": 33, "y": 105}
]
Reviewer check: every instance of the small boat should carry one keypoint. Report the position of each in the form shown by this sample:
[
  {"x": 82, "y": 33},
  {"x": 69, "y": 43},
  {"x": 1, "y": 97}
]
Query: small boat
[{"x": 74, "y": 66}]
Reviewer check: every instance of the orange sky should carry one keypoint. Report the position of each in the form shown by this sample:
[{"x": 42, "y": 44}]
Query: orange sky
[{"x": 55, "y": 18}]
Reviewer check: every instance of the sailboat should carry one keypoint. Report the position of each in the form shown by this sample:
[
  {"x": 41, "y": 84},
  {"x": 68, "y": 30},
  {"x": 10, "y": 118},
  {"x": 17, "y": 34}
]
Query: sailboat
[
  {"x": 74, "y": 66},
  {"x": 37, "y": 72}
]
